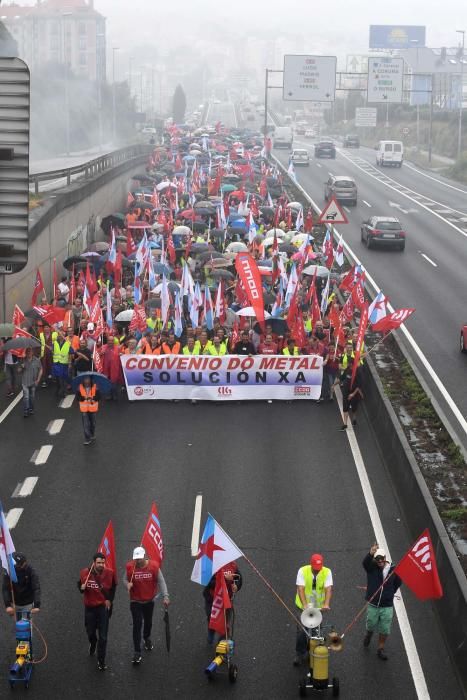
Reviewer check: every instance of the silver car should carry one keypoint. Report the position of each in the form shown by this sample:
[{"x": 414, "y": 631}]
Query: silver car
[{"x": 342, "y": 188}]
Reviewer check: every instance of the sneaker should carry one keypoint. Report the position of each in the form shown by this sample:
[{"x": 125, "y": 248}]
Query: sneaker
[
  {"x": 136, "y": 658},
  {"x": 367, "y": 639},
  {"x": 343, "y": 427},
  {"x": 87, "y": 442},
  {"x": 92, "y": 648},
  {"x": 92, "y": 438},
  {"x": 148, "y": 645},
  {"x": 25, "y": 415},
  {"x": 269, "y": 400},
  {"x": 101, "y": 666},
  {"x": 381, "y": 654},
  {"x": 10, "y": 393},
  {"x": 31, "y": 411},
  {"x": 354, "y": 422},
  {"x": 44, "y": 385}
]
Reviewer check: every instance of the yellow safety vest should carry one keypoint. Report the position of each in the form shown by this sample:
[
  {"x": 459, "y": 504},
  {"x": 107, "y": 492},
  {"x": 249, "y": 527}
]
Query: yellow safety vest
[
  {"x": 213, "y": 350},
  {"x": 60, "y": 354},
  {"x": 286, "y": 351},
  {"x": 308, "y": 325},
  {"x": 186, "y": 351},
  {"x": 345, "y": 358},
  {"x": 42, "y": 339},
  {"x": 315, "y": 596}
]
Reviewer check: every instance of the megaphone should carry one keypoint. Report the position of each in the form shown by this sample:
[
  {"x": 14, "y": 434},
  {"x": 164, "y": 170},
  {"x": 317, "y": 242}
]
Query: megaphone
[
  {"x": 311, "y": 617},
  {"x": 335, "y": 641}
]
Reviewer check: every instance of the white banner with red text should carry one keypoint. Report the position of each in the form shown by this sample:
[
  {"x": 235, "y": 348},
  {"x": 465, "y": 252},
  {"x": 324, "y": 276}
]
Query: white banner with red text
[{"x": 226, "y": 378}]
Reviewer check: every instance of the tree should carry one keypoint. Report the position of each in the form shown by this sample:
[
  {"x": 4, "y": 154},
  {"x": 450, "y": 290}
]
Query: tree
[{"x": 179, "y": 105}]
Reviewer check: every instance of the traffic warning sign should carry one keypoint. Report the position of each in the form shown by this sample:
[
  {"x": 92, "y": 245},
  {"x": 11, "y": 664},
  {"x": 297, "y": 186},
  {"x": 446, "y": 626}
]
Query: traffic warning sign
[{"x": 332, "y": 213}]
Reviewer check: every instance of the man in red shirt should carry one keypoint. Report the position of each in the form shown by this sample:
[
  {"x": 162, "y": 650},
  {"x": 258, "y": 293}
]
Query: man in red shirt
[
  {"x": 267, "y": 347},
  {"x": 143, "y": 577},
  {"x": 97, "y": 585}
]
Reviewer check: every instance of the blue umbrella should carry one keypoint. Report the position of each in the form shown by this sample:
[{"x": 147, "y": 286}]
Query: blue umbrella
[
  {"x": 161, "y": 269},
  {"x": 239, "y": 223},
  {"x": 100, "y": 379},
  {"x": 188, "y": 158}
]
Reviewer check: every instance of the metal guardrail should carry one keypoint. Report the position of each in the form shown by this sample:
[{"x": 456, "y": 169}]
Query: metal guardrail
[{"x": 92, "y": 167}]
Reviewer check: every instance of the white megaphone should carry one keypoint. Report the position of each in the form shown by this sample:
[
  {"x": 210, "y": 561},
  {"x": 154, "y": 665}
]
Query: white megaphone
[{"x": 311, "y": 617}]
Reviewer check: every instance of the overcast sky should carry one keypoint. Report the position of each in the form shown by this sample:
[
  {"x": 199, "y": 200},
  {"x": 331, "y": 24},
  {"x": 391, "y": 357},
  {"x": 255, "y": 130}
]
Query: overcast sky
[{"x": 347, "y": 21}]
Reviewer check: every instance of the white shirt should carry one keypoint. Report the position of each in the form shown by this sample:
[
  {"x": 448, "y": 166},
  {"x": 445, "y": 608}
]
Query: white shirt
[
  {"x": 301, "y": 579},
  {"x": 64, "y": 289}
]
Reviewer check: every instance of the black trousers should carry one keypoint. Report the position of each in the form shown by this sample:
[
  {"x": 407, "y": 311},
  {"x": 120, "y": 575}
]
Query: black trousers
[
  {"x": 96, "y": 621},
  {"x": 141, "y": 613}
]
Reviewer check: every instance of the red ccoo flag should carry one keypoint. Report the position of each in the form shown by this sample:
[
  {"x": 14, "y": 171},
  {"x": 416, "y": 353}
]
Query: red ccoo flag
[
  {"x": 107, "y": 547},
  {"x": 38, "y": 287},
  {"x": 152, "y": 537},
  {"x": 250, "y": 277},
  {"x": 392, "y": 321},
  {"x": 18, "y": 316},
  {"x": 418, "y": 569},
  {"x": 97, "y": 360},
  {"x": 359, "y": 345},
  {"x": 220, "y": 603}
]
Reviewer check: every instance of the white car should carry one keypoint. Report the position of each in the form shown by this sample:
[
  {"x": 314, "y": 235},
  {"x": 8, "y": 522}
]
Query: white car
[
  {"x": 310, "y": 133},
  {"x": 300, "y": 156},
  {"x": 149, "y": 130}
]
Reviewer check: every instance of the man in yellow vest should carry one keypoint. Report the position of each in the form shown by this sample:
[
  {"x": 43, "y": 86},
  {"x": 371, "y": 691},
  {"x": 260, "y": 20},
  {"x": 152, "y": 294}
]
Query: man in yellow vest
[
  {"x": 191, "y": 348},
  {"x": 61, "y": 360},
  {"x": 291, "y": 348},
  {"x": 216, "y": 347},
  {"x": 88, "y": 396},
  {"x": 314, "y": 589}
]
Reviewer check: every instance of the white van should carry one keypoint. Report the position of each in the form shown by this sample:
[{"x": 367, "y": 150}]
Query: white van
[
  {"x": 390, "y": 153},
  {"x": 283, "y": 137}
]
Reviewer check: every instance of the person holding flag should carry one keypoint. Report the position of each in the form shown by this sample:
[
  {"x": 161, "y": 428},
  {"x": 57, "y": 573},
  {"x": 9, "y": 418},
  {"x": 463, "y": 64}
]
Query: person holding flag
[
  {"x": 21, "y": 587},
  {"x": 382, "y": 585},
  {"x": 97, "y": 584},
  {"x": 351, "y": 395},
  {"x": 223, "y": 624}
]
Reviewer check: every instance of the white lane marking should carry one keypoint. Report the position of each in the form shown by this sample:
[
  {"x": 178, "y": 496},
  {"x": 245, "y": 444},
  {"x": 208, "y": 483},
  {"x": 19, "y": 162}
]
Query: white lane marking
[
  {"x": 330, "y": 174},
  {"x": 347, "y": 209},
  {"x": 444, "y": 211},
  {"x": 394, "y": 205},
  {"x": 410, "y": 339},
  {"x": 318, "y": 165},
  {"x": 14, "y": 403},
  {"x": 420, "y": 204},
  {"x": 196, "y": 525},
  {"x": 12, "y": 517},
  {"x": 406, "y": 631},
  {"x": 67, "y": 401},
  {"x": 430, "y": 177},
  {"x": 55, "y": 426},
  {"x": 429, "y": 259},
  {"x": 42, "y": 455},
  {"x": 27, "y": 487},
  {"x": 367, "y": 203}
]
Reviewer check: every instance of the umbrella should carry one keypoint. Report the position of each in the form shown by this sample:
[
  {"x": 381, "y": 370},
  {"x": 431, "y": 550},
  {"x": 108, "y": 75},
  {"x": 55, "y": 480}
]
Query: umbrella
[
  {"x": 194, "y": 145},
  {"x": 208, "y": 254},
  {"x": 310, "y": 270},
  {"x": 195, "y": 152},
  {"x": 279, "y": 326},
  {"x": 237, "y": 247},
  {"x": 228, "y": 188},
  {"x": 126, "y": 315},
  {"x": 21, "y": 343},
  {"x": 269, "y": 297},
  {"x": 203, "y": 203},
  {"x": 141, "y": 203},
  {"x": 228, "y": 179},
  {"x": 154, "y": 304},
  {"x": 173, "y": 288},
  {"x": 116, "y": 220},
  {"x": 90, "y": 254},
  {"x": 167, "y": 629},
  {"x": 218, "y": 263},
  {"x": 74, "y": 260},
  {"x": 6, "y": 330},
  {"x": 164, "y": 185},
  {"x": 161, "y": 269},
  {"x": 294, "y": 205},
  {"x": 205, "y": 211},
  {"x": 99, "y": 247},
  {"x": 97, "y": 378},
  {"x": 287, "y": 248},
  {"x": 222, "y": 274},
  {"x": 217, "y": 233},
  {"x": 249, "y": 311},
  {"x": 188, "y": 213},
  {"x": 181, "y": 230},
  {"x": 199, "y": 247},
  {"x": 265, "y": 263},
  {"x": 189, "y": 157},
  {"x": 299, "y": 238}
]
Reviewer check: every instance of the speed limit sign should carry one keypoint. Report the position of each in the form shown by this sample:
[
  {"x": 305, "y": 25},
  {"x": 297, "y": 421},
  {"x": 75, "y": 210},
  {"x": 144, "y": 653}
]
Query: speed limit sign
[{"x": 406, "y": 130}]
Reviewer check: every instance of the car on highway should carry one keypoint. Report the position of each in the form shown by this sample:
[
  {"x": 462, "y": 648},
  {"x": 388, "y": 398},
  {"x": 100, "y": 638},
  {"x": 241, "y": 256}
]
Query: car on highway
[
  {"x": 325, "y": 149},
  {"x": 351, "y": 141},
  {"x": 463, "y": 343},
  {"x": 342, "y": 188},
  {"x": 300, "y": 156},
  {"x": 148, "y": 130},
  {"x": 300, "y": 129},
  {"x": 384, "y": 231},
  {"x": 390, "y": 153},
  {"x": 310, "y": 133}
]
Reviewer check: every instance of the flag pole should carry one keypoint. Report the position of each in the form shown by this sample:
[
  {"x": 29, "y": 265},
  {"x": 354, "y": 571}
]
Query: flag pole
[
  {"x": 367, "y": 603},
  {"x": 8, "y": 564},
  {"x": 379, "y": 342}
]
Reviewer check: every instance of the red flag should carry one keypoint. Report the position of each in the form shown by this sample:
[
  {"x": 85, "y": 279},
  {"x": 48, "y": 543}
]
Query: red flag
[
  {"x": 107, "y": 547},
  {"x": 38, "y": 287},
  {"x": 299, "y": 330},
  {"x": 21, "y": 333},
  {"x": 234, "y": 336},
  {"x": 358, "y": 296},
  {"x": 51, "y": 314},
  {"x": 95, "y": 316},
  {"x": 18, "y": 316},
  {"x": 72, "y": 285},
  {"x": 188, "y": 246},
  {"x": 97, "y": 360},
  {"x": 348, "y": 281},
  {"x": 90, "y": 281},
  {"x": 220, "y": 603},
  {"x": 392, "y": 321},
  {"x": 361, "y": 335},
  {"x": 55, "y": 281},
  {"x": 315, "y": 309},
  {"x": 138, "y": 320},
  {"x": 418, "y": 569},
  {"x": 171, "y": 249},
  {"x": 248, "y": 272},
  {"x": 309, "y": 221},
  {"x": 130, "y": 244},
  {"x": 346, "y": 315},
  {"x": 152, "y": 537}
]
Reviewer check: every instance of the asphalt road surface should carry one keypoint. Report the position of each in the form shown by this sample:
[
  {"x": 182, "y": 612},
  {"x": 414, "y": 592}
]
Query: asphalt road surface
[
  {"x": 282, "y": 481},
  {"x": 430, "y": 274}
]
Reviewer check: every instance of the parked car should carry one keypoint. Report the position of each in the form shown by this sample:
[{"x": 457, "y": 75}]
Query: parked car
[
  {"x": 325, "y": 149},
  {"x": 300, "y": 156},
  {"x": 351, "y": 141},
  {"x": 386, "y": 231},
  {"x": 342, "y": 187}
]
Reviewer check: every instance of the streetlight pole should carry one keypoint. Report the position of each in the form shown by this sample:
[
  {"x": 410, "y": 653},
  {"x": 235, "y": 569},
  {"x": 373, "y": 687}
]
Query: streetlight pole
[
  {"x": 67, "y": 90},
  {"x": 461, "y": 95},
  {"x": 114, "y": 105}
]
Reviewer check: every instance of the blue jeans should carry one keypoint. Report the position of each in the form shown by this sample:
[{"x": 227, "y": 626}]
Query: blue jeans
[{"x": 29, "y": 393}]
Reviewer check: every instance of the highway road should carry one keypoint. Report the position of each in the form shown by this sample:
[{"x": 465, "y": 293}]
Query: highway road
[{"x": 268, "y": 473}]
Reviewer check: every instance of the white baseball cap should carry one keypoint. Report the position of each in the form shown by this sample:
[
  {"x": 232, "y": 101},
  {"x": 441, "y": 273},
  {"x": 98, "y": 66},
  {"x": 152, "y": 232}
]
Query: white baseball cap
[
  {"x": 380, "y": 553},
  {"x": 90, "y": 326},
  {"x": 139, "y": 553}
]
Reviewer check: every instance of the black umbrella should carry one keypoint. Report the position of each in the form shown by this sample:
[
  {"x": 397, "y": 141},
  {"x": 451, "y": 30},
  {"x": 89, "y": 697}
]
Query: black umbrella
[
  {"x": 198, "y": 226},
  {"x": 142, "y": 204},
  {"x": 73, "y": 260},
  {"x": 288, "y": 248},
  {"x": 21, "y": 343},
  {"x": 279, "y": 326},
  {"x": 199, "y": 248},
  {"x": 205, "y": 211},
  {"x": 222, "y": 274},
  {"x": 217, "y": 233},
  {"x": 154, "y": 304},
  {"x": 115, "y": 220},
  {"x": 208, "y": 254},
  {"x": 167, "y": 629}
]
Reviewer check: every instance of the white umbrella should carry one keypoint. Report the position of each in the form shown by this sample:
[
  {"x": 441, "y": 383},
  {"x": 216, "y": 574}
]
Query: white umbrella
[
  {"x": 279, "y": 232},
  {"x": 294, "y": 205},
  {"x": 237, "y": 247},
  {"x": 195, "y": 145},
  {"x": 299, "y": 238},
  {"x": 182, "y": 230},
  {"x": 164, "y": 184},
  {"x": 322, "y": 271},
  {"x": 126, "y": 315},
  {"x": 196, "y": 152},
  {"x": 171, "y": 286},
  {"x": 249, "y": 311}
]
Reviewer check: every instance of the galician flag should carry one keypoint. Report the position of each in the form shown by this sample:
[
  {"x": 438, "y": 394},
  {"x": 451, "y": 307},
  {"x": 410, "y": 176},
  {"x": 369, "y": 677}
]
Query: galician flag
[
  {"x": 215, "y": 550},
  {"x": 7, "y": 548}
]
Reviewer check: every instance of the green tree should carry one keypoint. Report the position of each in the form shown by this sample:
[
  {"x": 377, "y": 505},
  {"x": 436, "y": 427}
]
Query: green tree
[{"x": 179, "y": 105}]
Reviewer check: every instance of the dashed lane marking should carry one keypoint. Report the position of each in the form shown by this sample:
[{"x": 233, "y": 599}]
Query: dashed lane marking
[
  {"x": 196, "y": 525},
  {"x": 42, "y": 455},
  {"x": 55, "y": 426},
  {"x": 67, "y": 401},
  {"x": 26, "y": 488},
  {"x": 428, "y": 259},
  {"x": 12, "y": 517},
  {"x": 367, "y": 203},
  {"x": 8, "y": 410}
]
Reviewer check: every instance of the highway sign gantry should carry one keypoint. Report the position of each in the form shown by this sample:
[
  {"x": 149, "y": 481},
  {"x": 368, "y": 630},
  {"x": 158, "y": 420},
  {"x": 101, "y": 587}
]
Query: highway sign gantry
[
  {"x": 385, "y": 78},
  {"x": 365, "y": 116},
  {"x": 310, "y": 78}
]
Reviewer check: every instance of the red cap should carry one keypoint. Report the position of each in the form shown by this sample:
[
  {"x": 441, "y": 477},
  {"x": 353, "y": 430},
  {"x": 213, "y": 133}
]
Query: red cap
[{"x": 316, "y": 561}]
